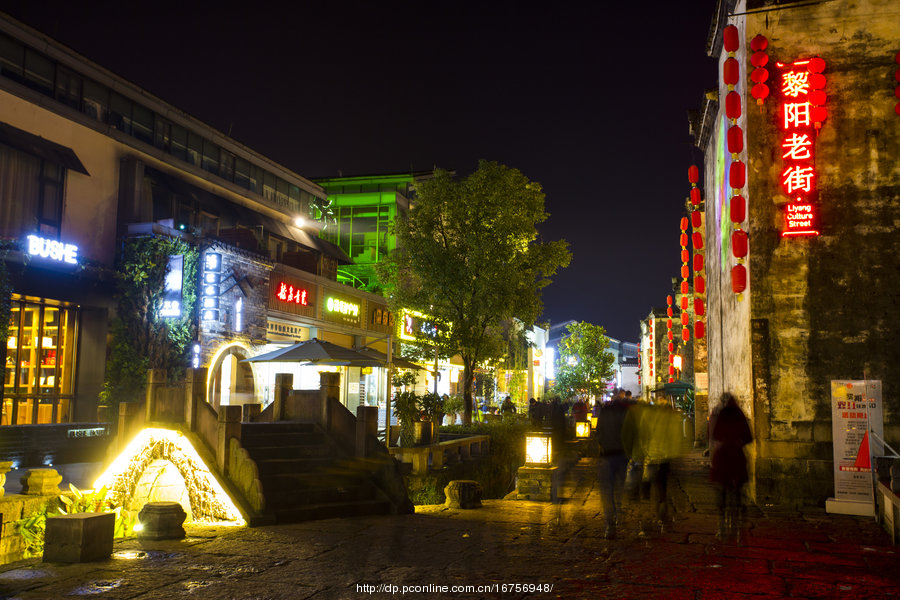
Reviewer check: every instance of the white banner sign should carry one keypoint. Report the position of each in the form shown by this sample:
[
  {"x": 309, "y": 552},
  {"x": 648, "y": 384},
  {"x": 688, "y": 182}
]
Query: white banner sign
[{"x": 857, "y": 428}]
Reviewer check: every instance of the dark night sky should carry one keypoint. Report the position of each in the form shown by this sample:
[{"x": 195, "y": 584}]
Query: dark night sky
[{"x": 590, "y": 100}]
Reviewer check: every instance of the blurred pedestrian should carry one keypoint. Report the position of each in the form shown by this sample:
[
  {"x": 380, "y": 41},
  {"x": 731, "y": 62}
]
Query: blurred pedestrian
[
  {"x": 613, "y": 461},
  {"x": 729, "y": 433},
  {"x": 508, "y": 407},
  {"x": 661, "y": 441}
]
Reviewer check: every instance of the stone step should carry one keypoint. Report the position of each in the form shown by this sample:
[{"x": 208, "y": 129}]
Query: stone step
[
  {"x": 273, "y": 439},
  {"x": 278, "y": 427},
  {"x": 259, "y": 453},
  {"x": 274, "y": 466},
  {"x": 332, "y": 510},
  {"x": 285, "y": 499}
]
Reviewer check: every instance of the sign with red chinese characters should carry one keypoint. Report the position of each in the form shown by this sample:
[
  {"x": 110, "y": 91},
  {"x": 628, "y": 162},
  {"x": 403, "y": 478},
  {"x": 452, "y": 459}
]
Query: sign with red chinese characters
[
  {"x": 801, "y": 115},
  {"x": 289, "y": 294},
  {"x": 286, "y": 292},
  {"x": 857, "y": 422}
]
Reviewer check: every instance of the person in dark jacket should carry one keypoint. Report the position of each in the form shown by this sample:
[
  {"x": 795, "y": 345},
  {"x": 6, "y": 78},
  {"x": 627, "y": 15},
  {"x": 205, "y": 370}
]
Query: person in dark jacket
[
  {"x": 729, "y": 433},
  {"x": 613, "y": 460}
]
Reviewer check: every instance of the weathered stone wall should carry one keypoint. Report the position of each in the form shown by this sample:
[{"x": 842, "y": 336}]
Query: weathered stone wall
[{"x": 823, "y": 307}]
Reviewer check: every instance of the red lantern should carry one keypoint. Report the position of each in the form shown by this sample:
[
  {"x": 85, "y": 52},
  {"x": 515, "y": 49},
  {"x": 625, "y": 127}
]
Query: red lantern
[
  {"x": 739, "y": 243},
  {"x": 685, "y": 316},
  {"x": 738, "y": 278},
  {"x": 669, "y": 311},
  {"x": 731, "y": 38},
  {"x": 738, "y": 209},
  {"x": 683, "y": 239},
  {"x": 685, "y": 255},
  {"x": 685, "y": 334},
  {"x": 696, "y": 196},
  {"x": 733, "y": 105},
  {"x": 817, "y": 81},
  {"x": 671, "y": 347},
  {"x": 670, "y": 335},
  {"x": 759, "y": 59},
  {"x": 697, "y": 219},
  {"x": 669, "y": 301},
  {"x": 816, "y": 65},
  {"x": 699, "y": 330},
  {"x": 685, "y": 271},
  {"x": 730, "y": 71},
  {"x": 685, "y": 287},
  {"x": 817, "y": 97},
  {"x": 669, "y": 323},
  {"x": 699, "y": 307},
  {"x": 699, "y": 284},
  {"x": 684, "y": 224},
  {"x": 759, "y": 75},
  {"x": 818, "y": 114},
  {"x": 698, "y": 262},
  {"x": 684, "y": 303},
  {"x": 697, "y": 239},
  {"x": 735, "y": 139},
  {"x": 671, "y": 370},
  {"x": 760, "y": 91},
  {"x": 759, "y": 43},
  {"x": 737, "y": 174},
  {"x": 693, "y": 174}
]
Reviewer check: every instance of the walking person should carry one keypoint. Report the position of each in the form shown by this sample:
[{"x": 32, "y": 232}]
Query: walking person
[
  {"x": 613, "y": 460},
  {"x": 729, "y": 433}
]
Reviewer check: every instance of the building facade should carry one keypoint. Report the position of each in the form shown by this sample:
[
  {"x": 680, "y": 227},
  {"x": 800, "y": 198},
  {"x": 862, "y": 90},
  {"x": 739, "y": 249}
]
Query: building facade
[{"x": 810, "y": 176}]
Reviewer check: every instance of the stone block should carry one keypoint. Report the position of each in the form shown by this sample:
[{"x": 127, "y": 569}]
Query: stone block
[
  {"x": 80, "y": 537},
  {"x": 41, "y": 482},
  {"x": 463, "y": 493},
  {"x": 537, "y": 483},
  {"x": 162, "y": 521},
  {"x": 5, "y": 467}
]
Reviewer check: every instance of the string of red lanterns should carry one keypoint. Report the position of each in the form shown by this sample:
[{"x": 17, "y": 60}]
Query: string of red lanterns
[
  {"x": 670, "y": 312},
  {"x": 759, "y": 59},
  {"x": 697, "y": 242},
  {"x": 737, "y": 175}
]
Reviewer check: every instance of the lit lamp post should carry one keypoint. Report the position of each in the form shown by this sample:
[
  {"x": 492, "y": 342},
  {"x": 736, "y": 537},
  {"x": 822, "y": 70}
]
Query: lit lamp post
[
  {"x": 537, "y": 478},
  {"x": 582, "y": 430}
]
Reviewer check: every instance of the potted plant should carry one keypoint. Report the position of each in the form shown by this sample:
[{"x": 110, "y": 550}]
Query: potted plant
[
  {"x": 454, "y": 405},
  {"x": 406, "y": 406},
  {"x": 433, "y": 413}
]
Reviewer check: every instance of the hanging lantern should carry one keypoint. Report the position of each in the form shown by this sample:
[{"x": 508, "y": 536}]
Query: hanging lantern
[
  {"x": 684, "y": 223},
  {"x": 699, "y": 330},
  {"x": 683, "y": 239},
  {"x": 685, "y": 255},
  {"x": 697, "y": 219},
  {"x": 760, "y": 91},
  {"x": 759, "y": 43},
  {"x": 669, "y": 300},
  {"x": 759, "y": 75},
  {"x": 697, "y": 238},
  {"x": 684, "y": 302},
  {"x": 738, "y": 278},
  {"x": 817, "y": 81},
  {"x": 685, "y": 287},
  {"x": 699, "y": 284},
  {"x": 818, "y": 114},
  {"x": 669, "y": 323},
  {"x": 739, "y": 243},
  {"x": 816, "y": 65},
  {"x": 685, "y": 272},
  {"x": 731, "y": 38},
  {"x": 671, "y": 369},
  {"x": 685, "y": 316},
  {"x": 671, "y": 346},
  {"x": 817, "y": 97},
  {"x": 669, "y": 311},
  {"x": 737, "y": 174},
  {"x": 685, "y": 333},
  {"x": 735, "y": 139},
  {"x": 730, "y": 71},
  {"x": 733, "y": 105},
  {"x": 759, "y": 59},
  {"x": 669, "y": 333},
  {"x": 738, "y": 209},
  {"x": 696, "y": 196},
  {"x": 698, "y": 262},
  {"x": 699, "y": 307},
  {"x": 693, "y": 174}
]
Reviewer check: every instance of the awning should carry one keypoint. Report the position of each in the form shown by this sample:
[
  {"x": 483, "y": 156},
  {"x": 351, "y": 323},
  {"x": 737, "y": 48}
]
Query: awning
[
  {"x": 38, "y": 146},
  {"x": 400, "y": 363}
]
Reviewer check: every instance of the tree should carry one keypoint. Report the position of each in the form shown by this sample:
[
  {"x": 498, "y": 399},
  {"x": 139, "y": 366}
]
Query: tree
[
  {"x": 585, "y": 364},
  {"x": 469, "y": 257}
]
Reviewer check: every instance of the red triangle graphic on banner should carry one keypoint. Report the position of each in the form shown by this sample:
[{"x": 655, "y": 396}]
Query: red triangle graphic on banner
[{"x": 863, "y": 461}]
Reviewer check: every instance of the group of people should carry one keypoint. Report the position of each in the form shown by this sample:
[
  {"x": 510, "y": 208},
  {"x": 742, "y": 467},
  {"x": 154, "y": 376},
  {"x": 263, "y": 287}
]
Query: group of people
[{"x": 637, "y": 442}]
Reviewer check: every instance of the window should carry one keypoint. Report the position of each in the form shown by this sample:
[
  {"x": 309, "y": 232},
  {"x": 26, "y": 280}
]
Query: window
[
  {"x": 31, "y": 194},
  {"x": 242, "y": 172},
  {"x": 38, "y": 72},
  {"x": 96, "y": 100},
  {"x": 120, "y": 112},
  {"x": 178, "y": 147},
  {"x": 210, "y": 157},
  {"x": 268, "y": 187},
  {"x": 68, "y": 87},
  {"x": 226, "y": 165},
  {"x": 194, "y": 148},
  {"x": 51, "y": 197},
  {"x": 143, "y": 124},
  {"x": 12, "y": 56}
]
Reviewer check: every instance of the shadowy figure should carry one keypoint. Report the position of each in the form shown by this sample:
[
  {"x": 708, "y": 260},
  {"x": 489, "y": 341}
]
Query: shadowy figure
[
  {"x": 613, "y": 461},
  {"x": 661, "y": 438},
  {"x": 729, "y": 433}
]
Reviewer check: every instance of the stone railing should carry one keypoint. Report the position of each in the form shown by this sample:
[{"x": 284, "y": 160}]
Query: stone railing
[{"x": 435, "y": 456}]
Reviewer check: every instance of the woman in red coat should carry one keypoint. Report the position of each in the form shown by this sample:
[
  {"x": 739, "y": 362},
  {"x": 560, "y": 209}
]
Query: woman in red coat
[{"x": 729, "y": 432}]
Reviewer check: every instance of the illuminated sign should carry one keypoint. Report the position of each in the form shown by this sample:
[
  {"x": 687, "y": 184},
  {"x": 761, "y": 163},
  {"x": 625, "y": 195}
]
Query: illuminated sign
[
  {"x": 52, "y": 249},
  {"x": 171, "y": 304},
  {"x": 342, "y": 309},
  {"x": 341, "y": 306},
  {"x": 288, "y": 293},
  {"x": 802, "y": 114},
  {"x": 415, "y": 326},
  {"x": 211, "y": 274}
]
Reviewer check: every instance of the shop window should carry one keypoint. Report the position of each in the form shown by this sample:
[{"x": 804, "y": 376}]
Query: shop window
[{"x": 39, "y": 382}]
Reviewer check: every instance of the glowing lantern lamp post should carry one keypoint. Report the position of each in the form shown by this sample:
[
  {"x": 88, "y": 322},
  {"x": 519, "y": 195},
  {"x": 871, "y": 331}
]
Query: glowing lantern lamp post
[
  {"x": 582, "y": 430},
  {"x": 537, "y": 478}
]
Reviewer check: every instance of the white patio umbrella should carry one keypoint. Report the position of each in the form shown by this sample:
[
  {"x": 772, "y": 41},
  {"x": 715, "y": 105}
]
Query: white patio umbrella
[{"x": 319, "y": 352}]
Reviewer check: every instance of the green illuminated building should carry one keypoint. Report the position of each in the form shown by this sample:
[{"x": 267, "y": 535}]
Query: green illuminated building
[{"x": 363, "y": 209}]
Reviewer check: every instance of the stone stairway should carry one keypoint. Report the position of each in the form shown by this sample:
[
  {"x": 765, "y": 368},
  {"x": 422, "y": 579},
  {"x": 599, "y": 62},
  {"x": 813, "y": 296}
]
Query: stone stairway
[{"x": 305, "y": 476}]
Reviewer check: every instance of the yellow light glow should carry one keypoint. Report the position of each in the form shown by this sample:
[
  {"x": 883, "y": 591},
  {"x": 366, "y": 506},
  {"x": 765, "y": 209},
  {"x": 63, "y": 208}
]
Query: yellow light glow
[
  {"x": 209, "y": 501},
  {"x": 538, "y": 449},
  {"x": 677, "y": 361},
  {"x": 215, "y": 357},
  {"x": 593, "y": 422},
  {"x": 582, "y": 429}
]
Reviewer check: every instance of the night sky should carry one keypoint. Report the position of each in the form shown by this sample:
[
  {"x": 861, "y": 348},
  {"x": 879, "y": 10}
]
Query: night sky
[{"x": 590, "y": 100}]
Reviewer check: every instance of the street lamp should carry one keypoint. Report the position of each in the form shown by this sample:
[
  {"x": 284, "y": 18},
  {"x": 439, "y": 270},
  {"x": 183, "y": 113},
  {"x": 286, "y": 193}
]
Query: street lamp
[
  {"x": 538, "y": 448},
  {"x": 582, "y": 429}
]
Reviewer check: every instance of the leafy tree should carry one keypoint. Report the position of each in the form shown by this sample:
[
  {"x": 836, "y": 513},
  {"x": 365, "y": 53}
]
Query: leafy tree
[
  {"x": 585, "y": 364},
  {"x": 469, "y": 257}
]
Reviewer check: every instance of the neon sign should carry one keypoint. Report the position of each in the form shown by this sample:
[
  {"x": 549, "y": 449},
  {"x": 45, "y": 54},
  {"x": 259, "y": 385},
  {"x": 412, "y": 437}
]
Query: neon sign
[
  {"x": 802, "y": 114},
  {"x": 342, "y": 307},
  {"x": 52, "y": 249},
  {"x": 209, "y": 292},
  {"x": 288, "y": 293}
]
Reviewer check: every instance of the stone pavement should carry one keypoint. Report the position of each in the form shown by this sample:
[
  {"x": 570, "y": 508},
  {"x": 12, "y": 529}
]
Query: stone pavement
[{"x": 506, "y": 550}]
